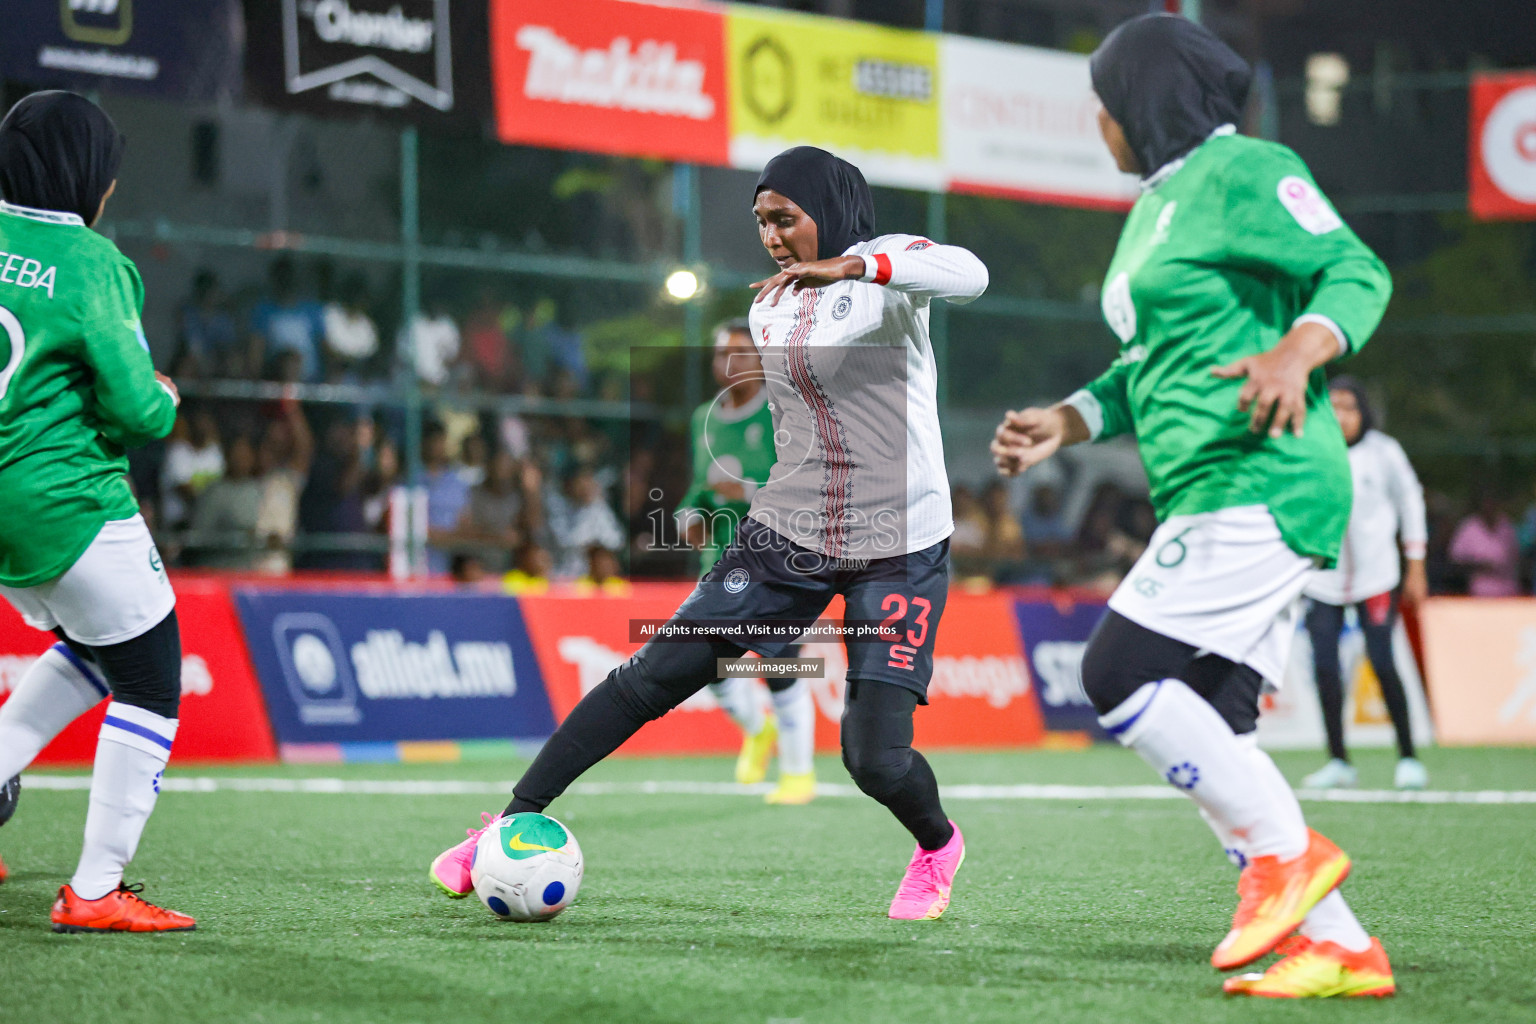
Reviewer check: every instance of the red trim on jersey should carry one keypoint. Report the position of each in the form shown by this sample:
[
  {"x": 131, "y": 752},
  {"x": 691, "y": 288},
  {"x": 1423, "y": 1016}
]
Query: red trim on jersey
[
  {"x": 882, "y": 268},
  {"x": 921, "y": 243}
]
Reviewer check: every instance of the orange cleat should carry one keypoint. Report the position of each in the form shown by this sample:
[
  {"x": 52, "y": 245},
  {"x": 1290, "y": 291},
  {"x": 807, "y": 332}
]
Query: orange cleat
[
  {"x": 1273, "y": 898},
  {"x": 1317, "y": 970},
  {"x": 121, "y": 910},
  {"x": 3, "y": 872}
]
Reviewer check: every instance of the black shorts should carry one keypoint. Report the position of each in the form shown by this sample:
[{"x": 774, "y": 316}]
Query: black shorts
[{"x": 764, "y": 577}]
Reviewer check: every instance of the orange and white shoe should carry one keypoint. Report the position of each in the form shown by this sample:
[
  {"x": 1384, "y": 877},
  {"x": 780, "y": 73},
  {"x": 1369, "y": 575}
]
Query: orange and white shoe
[
  {"x": 1317, "y": 970},
  {"x": 121, "y": 910},
  {"x": 1273, "y": 898},
  {"x": 3, "y": 872}
]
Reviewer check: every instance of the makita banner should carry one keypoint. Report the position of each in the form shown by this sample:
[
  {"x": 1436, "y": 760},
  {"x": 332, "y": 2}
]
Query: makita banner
[
  {"x": 356, "y": 667},
  {"x": 611, "y": 77},
  {"x": 980, "y": 695},
  {"x": 222, "y": 716},
  {"x": 423, "y": 60},
  {"x": 185, "y": 49}
]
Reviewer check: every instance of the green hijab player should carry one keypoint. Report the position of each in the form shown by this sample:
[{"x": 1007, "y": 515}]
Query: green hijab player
[
  {"x": 733, "y": 452},
  {"x": 77, "y": 389},
  {"x": 1233, "y": 284}
]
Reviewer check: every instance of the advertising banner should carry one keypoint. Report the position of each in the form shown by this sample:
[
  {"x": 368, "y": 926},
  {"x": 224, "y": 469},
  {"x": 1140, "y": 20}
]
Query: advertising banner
[
  {"x": 349, "y": 667},
  {"x": 611, "y": 77},
  {"x": 1054, "y": 635},
  {"x": 1292, "y": 718},
  {"x": 422, "y": 60},
  {"x": 186, "y": 49},
  {"x": 868, "y": 93},
  {"x": 222, "y": 714},
  {"x": 1480, "y": 660},
  {"x": 1501, "y": 172},
  {"x": 980, "y": 695},
  {"x": 1022, "y": 122}
]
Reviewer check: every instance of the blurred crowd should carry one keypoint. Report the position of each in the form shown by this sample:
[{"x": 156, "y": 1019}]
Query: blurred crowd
[{"x": 276, "y": 486}]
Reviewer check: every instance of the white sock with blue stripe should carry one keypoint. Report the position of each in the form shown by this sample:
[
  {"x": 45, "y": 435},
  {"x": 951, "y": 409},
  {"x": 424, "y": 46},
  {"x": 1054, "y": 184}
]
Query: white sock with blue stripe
[
  {"x": 796, "y": 709},
  {"x": 1188, "y": 743},
  {"x": 130, "y": 755},
  {"x": 739, "y": 698},
  {"x": 55, "y": 690}
]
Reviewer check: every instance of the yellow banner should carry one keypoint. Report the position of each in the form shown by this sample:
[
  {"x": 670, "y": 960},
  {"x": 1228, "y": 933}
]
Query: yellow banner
[{"x": 865, "y": 92}]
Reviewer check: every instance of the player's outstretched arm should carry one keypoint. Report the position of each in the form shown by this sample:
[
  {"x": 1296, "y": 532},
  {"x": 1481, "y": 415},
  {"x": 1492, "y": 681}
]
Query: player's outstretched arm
[
  {"x": 1029, "y": 437},
  {"x": 911, "y": 264},
  {"x": 133, "y": 404}
]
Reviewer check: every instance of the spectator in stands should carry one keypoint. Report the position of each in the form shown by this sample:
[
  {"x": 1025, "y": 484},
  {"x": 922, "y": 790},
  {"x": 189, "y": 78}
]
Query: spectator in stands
[
  {"x": 968, "y": 544},
  {"x": 548, "y": 347},
  {"x": 333, "y": 501},
  {"x": 586, "y": 520},
  {"x": 287, "y": 448},
  {"x": 474, "y": 455},
  {"x": 1045, "y": 528},
  {"x": 531, "y": 569},
  {"x": 604, "y": 574},
  {"x": 1487, "y": 548},
  {"x": 493, "y": 518},
  {"x": 224, "y": 524},
  {"x": 447, "y": 495},
  {"x": 351, "y": 337},
  {"x": 436, "y": 340},
  {"x": 379, "y": 484},
  {"x": 489, "y": 350},
  {"x": 1005, "y": 536},
  {"x": 193, "y": 460},
  {"x": 286, "y": 322},
  {"x": 207, "y": 340}
]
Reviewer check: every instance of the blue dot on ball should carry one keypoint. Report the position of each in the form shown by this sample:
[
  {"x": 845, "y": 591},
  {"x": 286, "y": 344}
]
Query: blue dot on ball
[
  {"x": 498, "y": 907},
  {"x": 554, "y": 892}
]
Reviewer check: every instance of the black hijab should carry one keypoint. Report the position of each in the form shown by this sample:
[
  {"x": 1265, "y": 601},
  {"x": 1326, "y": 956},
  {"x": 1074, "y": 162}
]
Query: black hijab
[
  {"x": 1354, "y": 387},
  {"x": 831, "y": 191},
  {"x": 58, "y": 151},
  {"x": 1169, "y": 83}
]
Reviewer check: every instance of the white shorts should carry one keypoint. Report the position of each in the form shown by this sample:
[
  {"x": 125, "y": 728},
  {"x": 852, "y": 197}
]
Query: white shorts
[
  {"x": 1223, "y": 581},
  {"x": 115, "y": 591}
]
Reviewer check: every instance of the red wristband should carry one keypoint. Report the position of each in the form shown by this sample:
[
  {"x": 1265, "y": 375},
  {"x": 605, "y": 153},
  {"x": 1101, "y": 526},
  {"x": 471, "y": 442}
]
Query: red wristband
[{"x": 882, "y": 268}]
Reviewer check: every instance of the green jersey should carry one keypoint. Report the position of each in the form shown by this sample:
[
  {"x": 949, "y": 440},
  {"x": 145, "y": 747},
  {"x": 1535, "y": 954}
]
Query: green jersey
[
  {"x": 77, "y": 388},
  {"x": 730, "y": 445},
  {"x": 1216, "y": 262}
]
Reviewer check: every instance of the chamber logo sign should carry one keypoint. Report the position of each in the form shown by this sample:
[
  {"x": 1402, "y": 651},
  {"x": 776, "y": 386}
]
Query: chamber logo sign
[{"x": 382, "y": 53}]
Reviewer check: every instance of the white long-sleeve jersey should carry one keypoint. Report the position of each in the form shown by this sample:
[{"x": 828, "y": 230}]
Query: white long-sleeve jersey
[
  {"x": 1389, "y": 503},
  {"x": 853, "y": 389}
]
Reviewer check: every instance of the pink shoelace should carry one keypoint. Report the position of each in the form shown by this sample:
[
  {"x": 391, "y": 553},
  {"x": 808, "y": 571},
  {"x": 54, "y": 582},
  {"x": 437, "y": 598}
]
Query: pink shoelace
[
  {"x": 922, "y": 877},
  {"x": 487, "y": 819}
]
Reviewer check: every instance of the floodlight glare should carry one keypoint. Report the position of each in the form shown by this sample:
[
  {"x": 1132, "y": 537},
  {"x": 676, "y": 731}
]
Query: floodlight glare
[{"x": 682, "y": 285}]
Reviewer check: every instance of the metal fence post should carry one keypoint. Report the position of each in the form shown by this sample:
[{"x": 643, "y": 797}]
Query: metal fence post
[{"x": 410, "y": 307}]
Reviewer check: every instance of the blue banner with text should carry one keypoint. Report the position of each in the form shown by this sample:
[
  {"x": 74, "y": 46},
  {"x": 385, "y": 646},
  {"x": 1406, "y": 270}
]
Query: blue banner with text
[{"x": 344, "y": 667}]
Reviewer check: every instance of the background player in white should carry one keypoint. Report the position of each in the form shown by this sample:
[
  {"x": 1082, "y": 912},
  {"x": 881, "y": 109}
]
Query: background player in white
[
  {"x": 75, "y": 555},
  {"x": 1389, "y": 503},
  {"x": 857, "y": 505}
]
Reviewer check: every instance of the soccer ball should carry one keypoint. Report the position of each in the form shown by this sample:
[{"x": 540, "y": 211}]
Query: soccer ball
[{"x": 527, "y": 867}]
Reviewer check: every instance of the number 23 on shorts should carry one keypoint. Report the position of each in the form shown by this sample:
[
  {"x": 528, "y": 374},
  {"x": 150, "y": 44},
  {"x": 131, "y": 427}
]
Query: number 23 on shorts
[{"x": 896, "y": 604}]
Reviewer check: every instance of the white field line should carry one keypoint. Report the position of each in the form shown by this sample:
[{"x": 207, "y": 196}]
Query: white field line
[{"x": 446, "y": 787}]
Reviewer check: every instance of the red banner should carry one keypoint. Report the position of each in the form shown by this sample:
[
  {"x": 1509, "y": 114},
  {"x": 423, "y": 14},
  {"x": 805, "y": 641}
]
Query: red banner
[
  {"x": 611, "y": 76},
  {"x": 223, "y": 717},
  {"x": 1501, "y": 173},
  {"x": 979, "y": 697}
]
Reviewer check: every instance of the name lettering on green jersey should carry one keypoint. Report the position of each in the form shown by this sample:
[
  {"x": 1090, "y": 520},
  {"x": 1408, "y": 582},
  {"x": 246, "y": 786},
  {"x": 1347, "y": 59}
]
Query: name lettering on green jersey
[{"x": 24, "y": 272}]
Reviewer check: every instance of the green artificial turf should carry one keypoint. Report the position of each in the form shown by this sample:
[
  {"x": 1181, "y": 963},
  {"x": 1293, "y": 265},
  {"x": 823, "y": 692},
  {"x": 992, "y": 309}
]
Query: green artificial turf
[{"x": 316, "y": 907}]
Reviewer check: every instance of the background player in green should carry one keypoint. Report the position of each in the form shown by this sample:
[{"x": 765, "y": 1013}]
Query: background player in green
[
  {"x": 733, "y": 452},
  {"x": 77, "y": 388},
  {"x": 1233, "y": 284}
]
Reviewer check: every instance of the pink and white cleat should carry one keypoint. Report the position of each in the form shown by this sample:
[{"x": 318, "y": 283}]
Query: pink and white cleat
[
  {"x": 924, "y": 892},
  {"x": 450, "y": 871}
]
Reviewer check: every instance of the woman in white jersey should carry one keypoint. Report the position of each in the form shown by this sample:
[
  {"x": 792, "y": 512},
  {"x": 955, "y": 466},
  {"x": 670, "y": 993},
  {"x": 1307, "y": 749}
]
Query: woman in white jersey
[
  {"x": 1388, "y": 503},
  {"x": 857, "y": 505}
]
